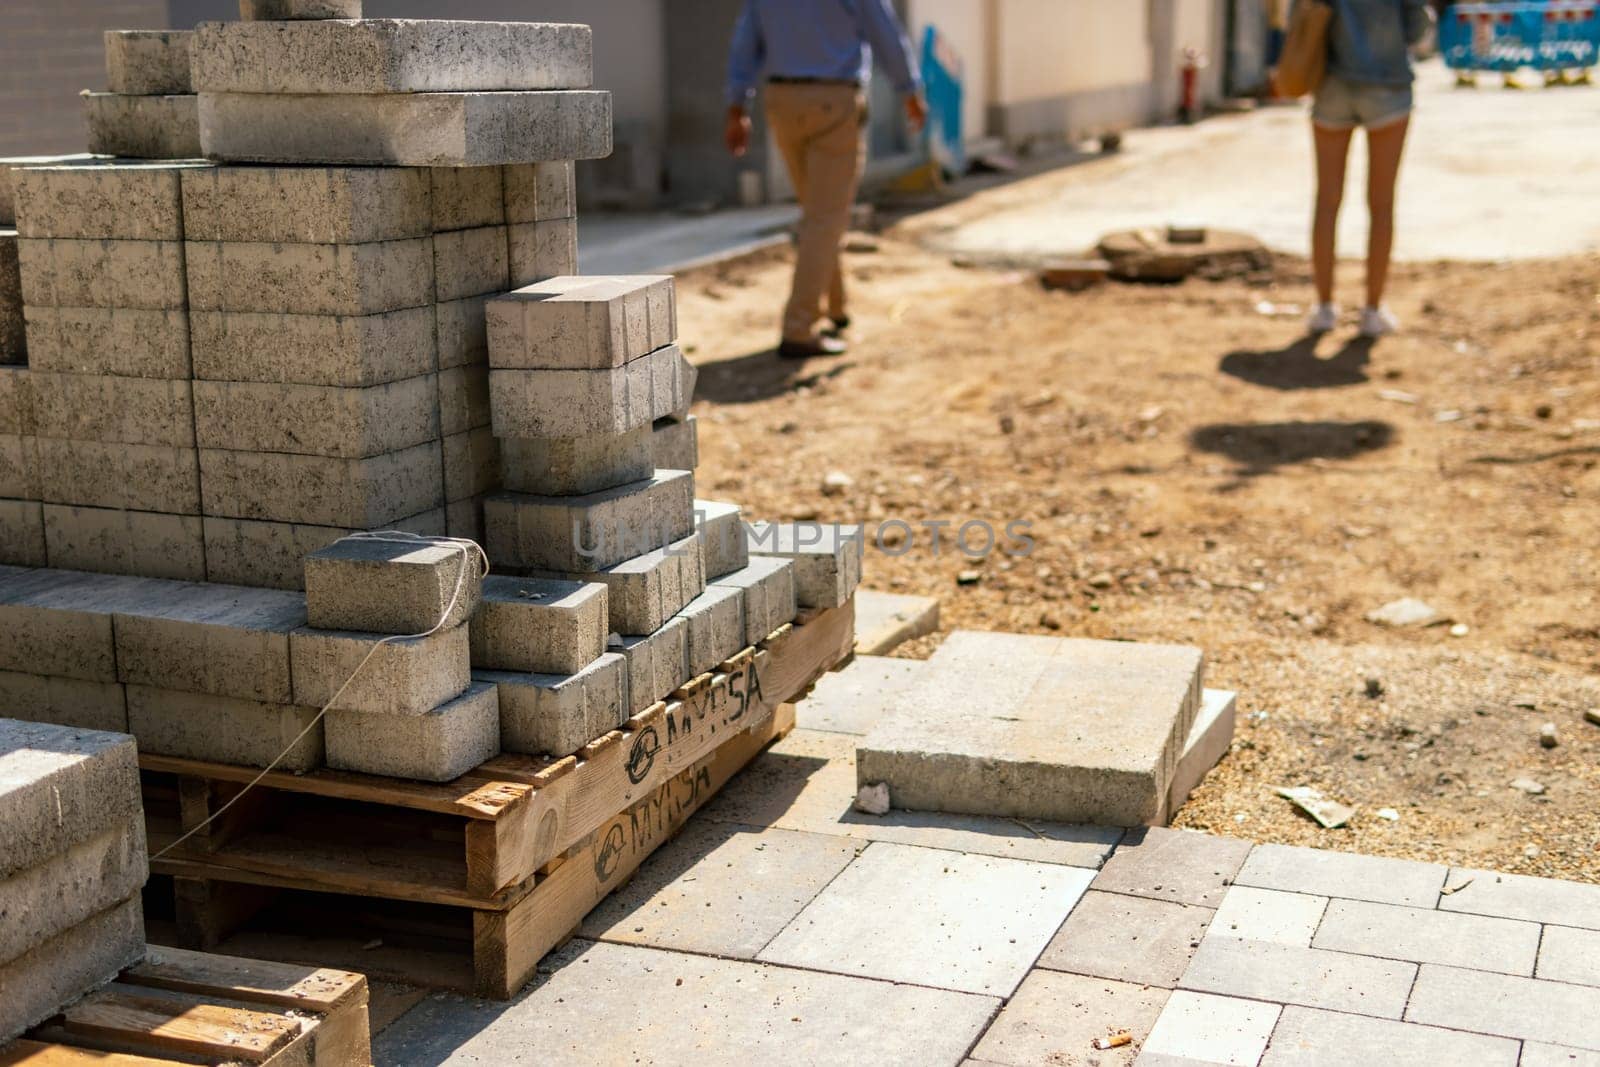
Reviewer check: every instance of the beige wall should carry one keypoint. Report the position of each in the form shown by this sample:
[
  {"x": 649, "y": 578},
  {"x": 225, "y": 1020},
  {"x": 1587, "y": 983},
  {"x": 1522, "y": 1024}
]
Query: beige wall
[
  {"x": 1201, "y": 24},
  {"x": 965, "y": 24}
]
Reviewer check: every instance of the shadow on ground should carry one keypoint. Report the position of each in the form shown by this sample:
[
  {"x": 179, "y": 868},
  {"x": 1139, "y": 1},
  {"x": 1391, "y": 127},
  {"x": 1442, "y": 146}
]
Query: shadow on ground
[
  {"x": 761, "y": 376},
  {"x": 1297, "y": 366},
  {"x": 1261, "y": 448}
]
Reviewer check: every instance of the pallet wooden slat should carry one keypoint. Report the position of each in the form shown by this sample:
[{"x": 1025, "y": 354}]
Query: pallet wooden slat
[
  {"x": 180, "y": 1024},
  {"x": 24, "y": 1052}
]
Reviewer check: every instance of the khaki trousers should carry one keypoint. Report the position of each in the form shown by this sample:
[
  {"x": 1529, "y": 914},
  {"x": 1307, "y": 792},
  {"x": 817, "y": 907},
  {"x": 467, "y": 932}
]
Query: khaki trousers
[{"x": 821, "y": 131}]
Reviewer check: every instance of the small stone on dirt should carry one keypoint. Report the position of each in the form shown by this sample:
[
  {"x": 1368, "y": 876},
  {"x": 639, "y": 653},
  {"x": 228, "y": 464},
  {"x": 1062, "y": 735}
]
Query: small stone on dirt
[
  {"x": 1374, "y": 687},
  {"x": 969, "y": 578},
  {"x": 1528, "y": 786},
  {"x": 1547, "y": 735},
  {"x": 1592, "y": 716},
  {"x": 836, "y": 482},
  {"x": 873, "y": 799},
  {"x": 1405, "y": 612}
]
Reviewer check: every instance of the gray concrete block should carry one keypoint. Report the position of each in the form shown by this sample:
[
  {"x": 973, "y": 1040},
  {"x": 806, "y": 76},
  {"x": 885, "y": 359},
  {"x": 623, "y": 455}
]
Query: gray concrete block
[
  {"x": 768, "y": 588},
  {"x": 317, "y": 420},
  {"x": 657, "y": 663},
  {"x": 853, "y": 699},
  {"x": 1130, "y": 939},
  {"x": 827, "y": 558},
  {"x": 438, "y": 745},
  {"x": 410, "y": 676},
  {"x": 71, "y": 887},
  {"x": 676, "y": 444},
  {"x": 250, "y": 733},
  {"x": 22, "y": 533},
  {"x": 593, "y": 531},
  {"x": 1569, "y": 955},
  {"x": 1342, "y": 874},
  {"x": 113, "y": 541},
  {"x": 263, "y": 10},
  {"x": 349, "y": 351},
  {"x": 573, "y": 466},
  {"x": 1521, "y": 896},
  {"x": 1425, "y": 935},
  {"x": 1203, "y": 1030},
  {"x": 1053, "y": 1013},
  {"x": 95, "y": 407},
  {"x": 10, "y": 164},
  {"x": 140, "y": 477},
  {"x": 579, "y": 403},
  {"x": 716, "y": 627},
  {"x": 465, "y": 198},
  {"x": 37, "y": 984},
  {"x": 538, "y": 625},
  {"x": 391, "y": 586},
  {"x": 125, "y": 200},
  {"x": 121, "y": 342},
  {"x": 386, "y": 56},
  {"x": 1209, "y": 740},
  {"x": 307, "y": 205},
  {"x": 1312, "y": 978},
  {"x": 60, "y": 787},
  {"x": 226, "y": 640},
  {"x": 406, "y": 129},
  {"x": 1506, "y": 1006},
  {"x": 722, "y": 532},
  {"x": 464, "y": 398},
  {"x": 1252, "y": 914},
  {"x": 1075, "y": 731},
  {"x": 73, "y": 272},
  {"x": 72, "y": 702},
  {"x": 535, "y": 192},
  {"x": 272, "y": 554},
  {"x": 13, "y": 327},
  {"x": 556, "y": 715},
  {"x": 540, "y": 250},
  {"x": 580, "y": 322},
  {"x": 322, "y": 491},
  {"x": 1306, "y": 1037},
  {"x": 16, "y": 401},
  {"x": 19, "y": 467},
  {"x": 464, "y": 518},
  {"x": 58, "y": 622},
  {"x": 463, "y": 336},
  {"x": 1535, "y": 1054},
  {"x": 148, "y": 62},
  {"x": 143, "y": 127},
  {"x": 470, "y": 262},
  {"x": 471, "y": 464},
  {"x": 310, "y": 279},
  {"x": 646, "y": 591}
]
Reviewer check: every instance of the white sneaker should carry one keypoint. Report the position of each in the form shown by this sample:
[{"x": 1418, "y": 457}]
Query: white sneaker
[
  {"x": 1378, "y": 321},
  {"x": 1325, "y": 319}
]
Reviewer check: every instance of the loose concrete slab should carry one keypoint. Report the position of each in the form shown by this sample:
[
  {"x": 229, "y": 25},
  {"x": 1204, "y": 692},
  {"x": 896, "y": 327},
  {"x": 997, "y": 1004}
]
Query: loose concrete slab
[
  {"x": 124, "y": 200},
  {"x": 309, "y": 279},
  {"x": 885, "y": 621},
  {"x": 1568, "y": 955},
  {"x": 808, "y": 782},
  {"x": 582, "y": 323},
  {"x": 143, "y": 127},
  {"x": 1520, "y": 896},
  {"x": 63, "y": 701},
  {"x": 439, "y": 745},
  {"x": 122, "y": 342},
  {"x": 390, "y": 56},
  {"x": 767, "y": 585},
  {"x": 406, "y": 129},
  {"x": 403, "y": 676},
  {"x": 59, "y": 787},
  {"x": 351, "y": 351},
  {"x": 539, "y": 625},
  {"x": 784, "y": 1016},
  {"x": 148, "y": 62},
  {"x": 1506, "y": 1006},
  {"x": 937, "y": 924},
  {"x": 1070, "y": 730},
  {"x": 70, "y": 887},
  {"x": 827, "y": 558},
  {"x": 1343, "y": 874},
  {"x": 1306, "y": 1037},
  {"x": 219, "y": 729},
  {"x": 1269, "y": 915},
  {"x": 648, "y": 590},
  {"x": 593, "y": 531},
  {"x": 356, "y": 494},
  {"x": 853, "y": 700},
  {"x": 1055, "y": 1018},
  {"x": 1338, "y": 981},
  {"x": 35, "y": 985},
  {"x": 720, "y": 890},
  {"x": 1131, "y": 939},
  {"x": 1210, "y": 739},
  {"x": 1423, "y": 935},
  {"x": 675, "y": 443},
  {"x": 307, "y": 205},
  {"x": 317, "y": 420},
  {"x": 1195, "y": 1028},
  {"x": 555, "y": 715},
  {"x": 391, "y": 585},
  {"x": 722, "y": 535}
]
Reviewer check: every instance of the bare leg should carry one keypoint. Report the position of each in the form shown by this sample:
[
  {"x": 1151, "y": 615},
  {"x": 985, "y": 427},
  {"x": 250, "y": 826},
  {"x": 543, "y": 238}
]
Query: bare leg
[
  {"x": 1384, "y": 147},
  {"x": 1333, "y": 151}
]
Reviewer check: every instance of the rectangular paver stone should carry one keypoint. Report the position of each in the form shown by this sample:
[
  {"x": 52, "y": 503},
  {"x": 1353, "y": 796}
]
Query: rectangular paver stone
[
  {"x": 1506, "y": 1006},
  {"x": 540, "y": 250},
  {"x": 437, "y": 746},
  {"x": 1567, "y": 955},
  {"x": 573, "y": 466},
  {"x": 1424, "y": 935},
  {"x": 317, "y": 420},
  {"x": 272, "y": 554},
  {"x": 306, "y": 205},
  {"x": 22, "y": 533},
  {"x": 1251, "y": 914},
  {"x": 406, "y": 129},
  {"x": 1306, "y": 1037},
  {"x": 126, "y": 200},
  {"x": 827, "y": 558},
  {"x": 148, "y": 62},
  {"x": 389, "y": 585},
  {"x": 58, "y": 622},
  {"x": 577, "y": 403},
  {"x": 852, "y": 700},
  {"x": 467, "y": 197},
  {"x": 61, "y": 786},
  {"x": 1196, "y": 1029},
  {"x": 1210, "y": 738},
  {"x": 471, "y": 464},
  {"x": 384, "y": 56},
  {"x": 716, "y": 627},
  {"x": 310, "y": 279},
  {"x": 114, "y": 541},
  {"x": 143, "y": 127},
  {"x": 71, "y": 887},
  {"x": 63, "y": 701},
  {"x": 404, "y": 676},
  {"x": 9, "y": 166},
  {"x": 204, "y": 638},
  {"x": 344, "y": 350},
  {"x": 322, "y": 490},
  {"x": 593, "y": 531},
  {"x": 539, "y": 625},
  {"x": 722, "y": 532},
  {"x": 587, "y": 322},
  {"x": 470, "y": 262},
  {"x": 1338, "y": 981},
  {"x": 130, "y": 411},
  {"x": 648, "y": 590},
  {"x": 1343, "y": 874},
  {"x": 124, "y": 342},
  {"x": 38, "y": 983},
  {"x": 1521, "y": 896},
  {"x": 549, "y": 714},
  {"x": 82, "y": 272},
  {"x": 675, "y": 443},
  {"x": 273, "y": 10},
  {"x": 463, "y": 398},
  {"x": 1054, "y": 1017},
  {"x": 202, "y": 726},
  {"x": 768, "y": 588},
  {"x": 658, "y": 663},
  {"x": 1131, "y": 939},
  {"x": 535, "y": 192}
]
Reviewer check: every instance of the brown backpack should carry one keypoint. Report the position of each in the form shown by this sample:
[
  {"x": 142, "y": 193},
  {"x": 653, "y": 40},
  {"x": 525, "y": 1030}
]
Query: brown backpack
[{"x": 1305, "y": 50}]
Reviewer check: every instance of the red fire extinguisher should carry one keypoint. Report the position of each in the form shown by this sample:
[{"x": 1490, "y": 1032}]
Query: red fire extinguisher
[{"x": 1189, "y": 75}]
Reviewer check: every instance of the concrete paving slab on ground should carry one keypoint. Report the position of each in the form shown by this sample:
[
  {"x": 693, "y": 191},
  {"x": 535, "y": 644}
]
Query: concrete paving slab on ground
[
  {"x": 1133, "y": 939},
  {"x": 906, "y": 914},
  {"x": 1200, "y": 1028},
  {"x": 1175, "y": 865},
  {"x": 667, "y": 242},
  {"x": 852, "y": 701},
  {"x": 885, "y": 621},
  {"x": 1055, "y": 1018}
]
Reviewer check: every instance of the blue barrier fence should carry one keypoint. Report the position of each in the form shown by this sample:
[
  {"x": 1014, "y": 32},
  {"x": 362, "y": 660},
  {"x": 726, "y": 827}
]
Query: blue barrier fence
[{"x": 1552, "y": 35}]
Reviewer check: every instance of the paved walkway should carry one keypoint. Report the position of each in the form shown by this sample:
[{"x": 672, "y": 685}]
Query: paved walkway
[
  {"x": 782, "y": 927},
  {"x": 662, "y": 242}
]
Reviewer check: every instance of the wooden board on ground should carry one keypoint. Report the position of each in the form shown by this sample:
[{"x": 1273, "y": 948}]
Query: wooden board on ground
[{"x": 190, "y": 1007}]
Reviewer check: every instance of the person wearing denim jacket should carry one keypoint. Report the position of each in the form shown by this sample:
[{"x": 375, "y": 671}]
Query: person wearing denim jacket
[{"x": 1368, "y": 85}]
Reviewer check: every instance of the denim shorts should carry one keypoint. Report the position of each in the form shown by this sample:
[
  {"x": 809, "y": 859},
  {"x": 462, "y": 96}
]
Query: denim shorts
[{"x": 1344, "y": 105}]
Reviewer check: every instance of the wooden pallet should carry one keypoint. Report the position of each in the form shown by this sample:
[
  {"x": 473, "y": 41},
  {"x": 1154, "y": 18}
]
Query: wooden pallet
[
  {"x": 510, "y": 857},
  {"x": 191, "y": 1007}
]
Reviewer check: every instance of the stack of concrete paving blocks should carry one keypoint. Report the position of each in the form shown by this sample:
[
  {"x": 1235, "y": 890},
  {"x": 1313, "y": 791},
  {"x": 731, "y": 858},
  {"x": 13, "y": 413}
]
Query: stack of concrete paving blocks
[
  {"x": 72, "y": 863},
  {"x": 676, "y": 442},
  {"x": 827, "y": 558},
  {"x": 151, "y": 110},
  {"x": 414, "y": 710}
]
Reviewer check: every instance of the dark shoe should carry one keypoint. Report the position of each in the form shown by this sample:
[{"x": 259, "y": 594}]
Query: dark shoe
[
  {"x": 817, "y": 346},
  {"x": 840, "y": 324}
]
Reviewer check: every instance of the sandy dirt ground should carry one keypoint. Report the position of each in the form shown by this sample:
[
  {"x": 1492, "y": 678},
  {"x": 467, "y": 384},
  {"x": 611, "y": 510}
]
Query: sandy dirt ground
[{"x": 1194, "y": 470}]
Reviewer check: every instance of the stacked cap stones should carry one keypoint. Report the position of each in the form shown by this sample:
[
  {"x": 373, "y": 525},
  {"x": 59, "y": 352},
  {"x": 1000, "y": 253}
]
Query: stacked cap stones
[
  {"x": 72, "y": 862},
  {"x": 151, "y": 110},
  {"x": 405, "y": 707}
]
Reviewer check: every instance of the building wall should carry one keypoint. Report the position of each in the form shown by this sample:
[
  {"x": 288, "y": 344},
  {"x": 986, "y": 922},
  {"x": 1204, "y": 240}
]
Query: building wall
[
  {"x": 964, "y": 24},
  {"x": 50, "y": 51},
  {"x": 1174, "y": 26}
]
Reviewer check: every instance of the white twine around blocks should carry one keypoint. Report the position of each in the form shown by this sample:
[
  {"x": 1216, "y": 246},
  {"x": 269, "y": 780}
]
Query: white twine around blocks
[{"x": 466, "y": 549}]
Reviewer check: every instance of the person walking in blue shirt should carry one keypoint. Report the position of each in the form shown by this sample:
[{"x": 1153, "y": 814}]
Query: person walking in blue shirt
[{"x": 817, "y": 56}]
